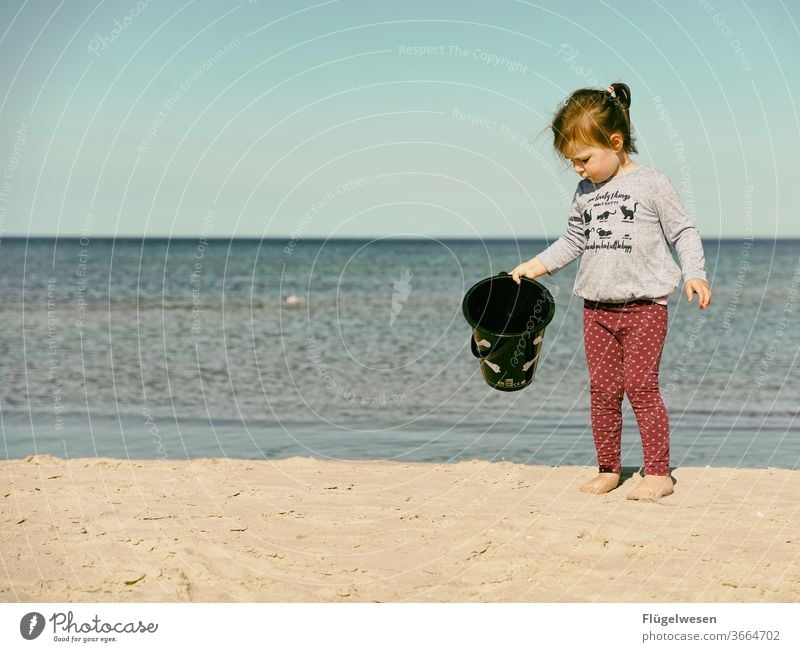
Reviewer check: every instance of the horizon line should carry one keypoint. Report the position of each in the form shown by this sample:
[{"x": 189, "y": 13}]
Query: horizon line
[{"x": 290, "y": 238}]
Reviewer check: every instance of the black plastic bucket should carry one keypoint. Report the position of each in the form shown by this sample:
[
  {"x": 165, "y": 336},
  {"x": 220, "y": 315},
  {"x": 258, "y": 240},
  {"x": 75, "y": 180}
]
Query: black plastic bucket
[{"x": 508, "y": 322}]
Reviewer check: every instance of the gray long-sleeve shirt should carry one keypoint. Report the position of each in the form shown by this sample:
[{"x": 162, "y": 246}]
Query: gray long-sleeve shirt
[{"x": 625, "y": 228}]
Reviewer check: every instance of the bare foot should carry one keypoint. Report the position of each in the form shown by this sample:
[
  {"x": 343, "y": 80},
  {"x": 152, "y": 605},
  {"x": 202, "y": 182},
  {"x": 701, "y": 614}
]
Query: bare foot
[
  {"x": 651, "y": 488},
  {"x": 602, "y": 484}
]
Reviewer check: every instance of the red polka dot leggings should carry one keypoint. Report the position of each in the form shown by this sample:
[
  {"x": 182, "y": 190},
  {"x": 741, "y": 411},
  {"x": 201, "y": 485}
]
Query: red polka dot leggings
[{"x": 623, "y": 351}]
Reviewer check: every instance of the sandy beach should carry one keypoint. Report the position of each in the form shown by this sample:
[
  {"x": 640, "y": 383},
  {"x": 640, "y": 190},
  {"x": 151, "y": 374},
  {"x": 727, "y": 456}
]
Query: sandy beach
[{"x": 300, "y": 529}]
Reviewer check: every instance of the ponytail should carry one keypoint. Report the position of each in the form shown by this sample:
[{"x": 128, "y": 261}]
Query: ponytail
[
  {"x": 591, "y": 116},
  {"x": 621, "y": 93}
]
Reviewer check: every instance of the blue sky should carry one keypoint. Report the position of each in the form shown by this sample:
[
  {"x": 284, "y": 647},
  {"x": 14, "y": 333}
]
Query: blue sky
[{"x": 359, "y": 118}]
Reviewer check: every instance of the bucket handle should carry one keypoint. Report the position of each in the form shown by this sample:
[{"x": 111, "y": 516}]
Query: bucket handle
[{"x": 474, "y": 347}]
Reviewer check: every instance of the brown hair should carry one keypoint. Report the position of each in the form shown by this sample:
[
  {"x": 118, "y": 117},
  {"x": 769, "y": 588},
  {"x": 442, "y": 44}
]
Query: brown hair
[{"x": 590, "y": 116}]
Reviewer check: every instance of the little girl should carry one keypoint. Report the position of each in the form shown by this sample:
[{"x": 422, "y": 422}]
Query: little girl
[{"x": 625, "y": 218}]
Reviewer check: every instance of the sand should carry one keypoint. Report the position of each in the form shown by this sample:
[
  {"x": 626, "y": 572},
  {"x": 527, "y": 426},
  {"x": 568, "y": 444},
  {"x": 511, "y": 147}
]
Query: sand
[{"x": 304, "y": 530}]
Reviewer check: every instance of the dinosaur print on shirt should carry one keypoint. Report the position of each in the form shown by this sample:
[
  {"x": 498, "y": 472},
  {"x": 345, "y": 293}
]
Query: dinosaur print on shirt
[{"x": 607, "y": 208}]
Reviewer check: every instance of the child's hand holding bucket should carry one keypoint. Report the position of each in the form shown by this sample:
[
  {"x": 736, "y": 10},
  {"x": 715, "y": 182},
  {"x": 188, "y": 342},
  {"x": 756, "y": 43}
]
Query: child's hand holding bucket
[{"x": 530, "y": 269}]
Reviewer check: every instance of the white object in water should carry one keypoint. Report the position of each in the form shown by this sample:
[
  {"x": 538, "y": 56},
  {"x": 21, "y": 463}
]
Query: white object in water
[{"x": 293, "y": 299}]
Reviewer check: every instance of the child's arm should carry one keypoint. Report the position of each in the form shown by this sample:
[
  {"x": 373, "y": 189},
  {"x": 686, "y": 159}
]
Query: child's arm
[
  {"x": 529, "y": 269},
  {"x": 683, "y": 237},
  {"x": 559, "y": 254}
]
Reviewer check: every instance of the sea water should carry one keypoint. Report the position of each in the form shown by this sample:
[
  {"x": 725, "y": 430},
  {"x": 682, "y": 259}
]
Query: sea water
[{"x": 357, "y": 349}]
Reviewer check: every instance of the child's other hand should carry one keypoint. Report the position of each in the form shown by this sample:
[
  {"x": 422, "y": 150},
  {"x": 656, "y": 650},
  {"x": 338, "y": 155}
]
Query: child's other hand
[
  {"x": 701, "y": 288},
  {"x": 530, "y": 269}
]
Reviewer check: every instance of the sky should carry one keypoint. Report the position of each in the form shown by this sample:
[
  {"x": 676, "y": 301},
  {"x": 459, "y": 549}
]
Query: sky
[{"x": 345, "y": 118}]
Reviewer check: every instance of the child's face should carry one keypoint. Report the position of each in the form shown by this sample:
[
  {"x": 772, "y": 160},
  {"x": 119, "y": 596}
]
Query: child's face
[{"x": 594, "y": 162}]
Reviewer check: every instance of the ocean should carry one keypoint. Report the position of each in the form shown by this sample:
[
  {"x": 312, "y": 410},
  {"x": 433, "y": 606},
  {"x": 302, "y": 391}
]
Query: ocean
[{"x": 357, "y": 349}]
